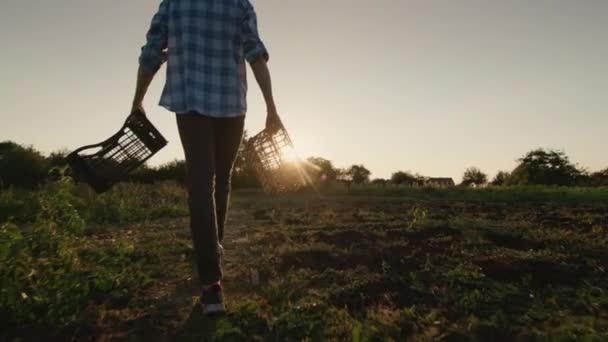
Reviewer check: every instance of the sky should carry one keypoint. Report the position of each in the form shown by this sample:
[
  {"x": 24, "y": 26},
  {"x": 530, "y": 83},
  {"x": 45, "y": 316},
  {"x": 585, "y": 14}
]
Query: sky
[{"x": 427, "y": 86}]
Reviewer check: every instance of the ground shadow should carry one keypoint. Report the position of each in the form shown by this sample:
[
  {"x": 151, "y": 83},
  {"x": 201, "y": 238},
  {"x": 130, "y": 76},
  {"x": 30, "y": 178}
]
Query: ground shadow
[{"x": 198, "y": 327}]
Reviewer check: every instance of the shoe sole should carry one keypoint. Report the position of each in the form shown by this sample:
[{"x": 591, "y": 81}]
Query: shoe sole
[{"x": 210, "y": 309}]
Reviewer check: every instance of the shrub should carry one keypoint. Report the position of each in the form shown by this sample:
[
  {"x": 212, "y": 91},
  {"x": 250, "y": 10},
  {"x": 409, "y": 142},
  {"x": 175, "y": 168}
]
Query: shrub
[
  {"x": 406, "y": 178},
  {"x": 42, "y": 277},
  {"x": 599, "y": 178},
  {"x": 38, "y": 275},
  {"x": 18, "y": 205},
  {"x": 131, "y": 202},
  {"x": 21, "y": 166}
]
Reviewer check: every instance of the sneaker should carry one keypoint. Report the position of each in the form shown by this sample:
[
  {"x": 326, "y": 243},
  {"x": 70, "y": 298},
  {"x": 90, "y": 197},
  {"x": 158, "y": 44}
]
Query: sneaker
[{"x": 212, "y": 300}]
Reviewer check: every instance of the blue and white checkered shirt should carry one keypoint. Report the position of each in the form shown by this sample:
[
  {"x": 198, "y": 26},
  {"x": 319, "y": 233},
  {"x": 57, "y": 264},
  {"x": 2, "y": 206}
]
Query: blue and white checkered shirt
[{"x": 207, "y": 42}]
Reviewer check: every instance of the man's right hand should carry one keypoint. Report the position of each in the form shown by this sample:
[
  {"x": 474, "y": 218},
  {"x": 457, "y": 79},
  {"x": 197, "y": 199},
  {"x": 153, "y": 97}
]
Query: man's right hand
[
  {"x": 262, "y": 76},
  {"x": 273, "y": 122},
  {"x": 138, "y": 109}
]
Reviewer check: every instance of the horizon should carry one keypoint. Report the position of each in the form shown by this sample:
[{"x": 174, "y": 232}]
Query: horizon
[
  {"x": 430, "y": 88},
  {"x": 302, "y": 160}
]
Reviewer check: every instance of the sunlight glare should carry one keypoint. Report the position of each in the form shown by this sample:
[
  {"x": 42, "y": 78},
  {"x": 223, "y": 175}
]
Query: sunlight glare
[{"x": 289, "y": 154}]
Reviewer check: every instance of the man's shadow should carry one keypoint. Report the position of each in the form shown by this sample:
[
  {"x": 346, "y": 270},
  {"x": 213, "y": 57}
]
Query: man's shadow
[{"x": 198, "y": 327}]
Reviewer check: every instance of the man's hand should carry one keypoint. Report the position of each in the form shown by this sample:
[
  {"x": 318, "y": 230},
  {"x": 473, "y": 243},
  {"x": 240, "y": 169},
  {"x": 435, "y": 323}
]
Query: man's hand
[
  {"x": 273, "y": 122},
  {"x": 144, "y": 78},
  {"x": 262, "y": 76},
  {"x": 138, "y": 108}
]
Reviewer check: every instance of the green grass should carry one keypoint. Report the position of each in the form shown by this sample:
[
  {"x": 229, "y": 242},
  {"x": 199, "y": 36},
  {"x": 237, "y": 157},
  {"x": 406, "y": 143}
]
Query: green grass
[
  {"x": 375, "y": 264},
  {"x": 125, "y": 203},
  {"x": 51, "y": 276},
  {"x": 591, "y": 195}
]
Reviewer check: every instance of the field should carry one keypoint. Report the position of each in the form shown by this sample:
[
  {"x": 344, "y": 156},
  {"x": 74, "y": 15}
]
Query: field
[{"x": 373, "y": 264}]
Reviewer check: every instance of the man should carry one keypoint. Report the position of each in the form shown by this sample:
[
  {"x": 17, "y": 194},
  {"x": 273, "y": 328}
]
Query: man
[{"x": 205, "y": 44}]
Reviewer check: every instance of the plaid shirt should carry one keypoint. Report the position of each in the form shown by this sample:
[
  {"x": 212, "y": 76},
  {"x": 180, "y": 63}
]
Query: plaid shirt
[{"x": 207, "y": 42}]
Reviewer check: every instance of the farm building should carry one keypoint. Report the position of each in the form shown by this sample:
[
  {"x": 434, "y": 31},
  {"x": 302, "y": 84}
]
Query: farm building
[{"x": 439, "y": 182}]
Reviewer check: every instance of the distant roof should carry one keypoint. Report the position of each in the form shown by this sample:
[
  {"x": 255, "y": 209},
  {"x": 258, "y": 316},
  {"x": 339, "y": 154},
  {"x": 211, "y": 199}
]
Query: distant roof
[{"x": 441, "y": 180}]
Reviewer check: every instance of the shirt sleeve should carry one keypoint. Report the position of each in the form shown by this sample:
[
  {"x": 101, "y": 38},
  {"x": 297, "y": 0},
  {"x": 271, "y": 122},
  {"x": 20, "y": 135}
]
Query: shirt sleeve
[
  {"x": 151, "y": 57},
  {"x": 253, "y": 46}
]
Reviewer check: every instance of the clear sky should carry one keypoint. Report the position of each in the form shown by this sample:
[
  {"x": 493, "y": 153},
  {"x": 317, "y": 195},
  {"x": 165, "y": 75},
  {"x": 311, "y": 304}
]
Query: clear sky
[{"x": 430, "y": 86}]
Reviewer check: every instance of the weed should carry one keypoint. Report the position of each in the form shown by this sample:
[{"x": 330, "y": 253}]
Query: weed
[{"x": 43, "y": 279}]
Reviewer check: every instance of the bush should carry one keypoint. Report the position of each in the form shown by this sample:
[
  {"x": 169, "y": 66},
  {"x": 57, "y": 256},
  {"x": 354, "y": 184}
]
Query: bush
[
  {"x": 406, "y": 178},
  {"x": 598, "y": 178},
  {"x": 171, "y": 171},
  {"x": 38, "y": 276},
  {"x": 42, "y": 277},
  {"x": 18, "y": 205},
  {"x": 21, "y": 166},
  {"x": 131, "y": 202}
]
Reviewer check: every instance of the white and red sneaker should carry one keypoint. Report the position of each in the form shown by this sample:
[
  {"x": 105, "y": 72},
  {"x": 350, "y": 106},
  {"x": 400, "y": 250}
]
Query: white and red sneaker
[{"x": 212, "y": 299}]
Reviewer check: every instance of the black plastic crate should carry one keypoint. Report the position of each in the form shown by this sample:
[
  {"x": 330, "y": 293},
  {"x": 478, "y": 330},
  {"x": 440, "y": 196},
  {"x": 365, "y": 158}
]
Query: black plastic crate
[
  {"x": 102, "y": 165},
  {"x": 274, "y": 160}
]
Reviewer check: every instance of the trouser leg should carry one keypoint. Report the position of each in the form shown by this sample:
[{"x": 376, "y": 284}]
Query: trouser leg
[
  {"x": 229, "y": 133},
  {"x": 197, "y": 134}
]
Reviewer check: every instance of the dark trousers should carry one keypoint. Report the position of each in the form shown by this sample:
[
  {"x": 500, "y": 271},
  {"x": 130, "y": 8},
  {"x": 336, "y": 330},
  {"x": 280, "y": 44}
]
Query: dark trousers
[{"x": 210, "y": 146}]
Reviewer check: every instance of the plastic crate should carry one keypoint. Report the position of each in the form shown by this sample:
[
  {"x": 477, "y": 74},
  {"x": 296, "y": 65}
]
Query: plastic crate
[
  {"x": 275, "y": 162},
  {"x": 102, "y": 165}
]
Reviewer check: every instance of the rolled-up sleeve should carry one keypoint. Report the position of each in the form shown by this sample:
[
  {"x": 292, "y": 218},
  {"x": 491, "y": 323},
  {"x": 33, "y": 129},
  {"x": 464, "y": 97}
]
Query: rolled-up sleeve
[
  {"x": 253, "y": 46},
  {"x": 151, "y": 57}
]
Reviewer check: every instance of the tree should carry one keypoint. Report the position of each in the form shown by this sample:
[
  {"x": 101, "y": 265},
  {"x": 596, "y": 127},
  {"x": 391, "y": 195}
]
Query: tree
[
  {"x": 501, "y": 178},
  {"x": 174, "y": 170},
  {"x": 401, "y": 177},
  {"x": 599, "y": 178},
  {"x": 58, "y": 165},
  {"x": 359, "y": 174},
  {"x": 326, "y": 169},
  {"x": 379, "y": 181},
  {"x": 58, "y": 158},
  {"x": 143, "y": 174},
  {"x": 545, "y": 167},
  {"x": 21, "y": 166},
  {"x": 474, "y": 176}
]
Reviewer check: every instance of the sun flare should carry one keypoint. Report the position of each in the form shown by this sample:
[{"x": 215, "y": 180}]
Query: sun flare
[{"x": 289, "y": 154}]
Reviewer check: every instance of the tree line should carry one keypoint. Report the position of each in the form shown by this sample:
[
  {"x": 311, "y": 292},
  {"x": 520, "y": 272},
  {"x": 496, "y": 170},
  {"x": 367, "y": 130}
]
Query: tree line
[
  {"x": 540, "y": 167},
  {"x": 537, "y": 167},
  {"x": 23, "y": 166}
]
